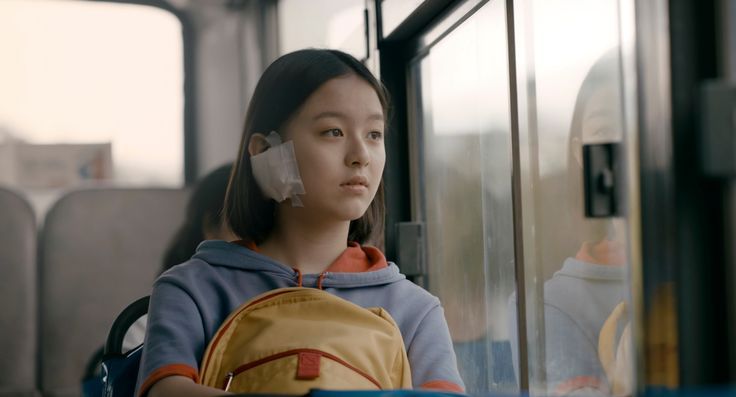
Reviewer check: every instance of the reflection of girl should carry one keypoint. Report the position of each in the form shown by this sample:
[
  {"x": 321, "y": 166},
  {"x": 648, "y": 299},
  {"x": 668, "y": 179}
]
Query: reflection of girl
[
  {"x": 581, "y": 295},
  {"x": 303, "y": 210}
]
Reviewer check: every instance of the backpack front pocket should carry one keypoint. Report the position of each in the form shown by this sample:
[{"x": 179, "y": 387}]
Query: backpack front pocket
[{"x": 311, "y": 368}]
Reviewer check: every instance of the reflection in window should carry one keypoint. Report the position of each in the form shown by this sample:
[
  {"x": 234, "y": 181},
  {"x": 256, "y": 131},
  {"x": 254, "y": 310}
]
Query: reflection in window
[
  {"x": 577, "y": 294},
  {"x": 465, "y": 197}
]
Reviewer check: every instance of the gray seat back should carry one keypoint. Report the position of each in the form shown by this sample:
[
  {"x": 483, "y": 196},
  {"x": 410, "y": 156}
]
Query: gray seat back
[
  {"x": 18, "y": 290},
  {"x": 100, "y": 250}
]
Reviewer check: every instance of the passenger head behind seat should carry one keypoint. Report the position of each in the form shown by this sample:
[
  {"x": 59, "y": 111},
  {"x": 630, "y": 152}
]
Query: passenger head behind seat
[{"x": 203, "y": 219}]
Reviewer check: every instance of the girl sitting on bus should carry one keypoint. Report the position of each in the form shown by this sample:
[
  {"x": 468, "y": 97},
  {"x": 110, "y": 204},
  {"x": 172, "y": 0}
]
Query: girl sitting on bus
[{"x": 304, "y": 195}]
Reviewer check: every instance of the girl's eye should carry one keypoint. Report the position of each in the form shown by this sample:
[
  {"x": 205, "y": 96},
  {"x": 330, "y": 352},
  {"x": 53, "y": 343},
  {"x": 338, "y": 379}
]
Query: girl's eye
[
  {"x": 375, "y": 135},
  {"x": 333, "y": 132}
]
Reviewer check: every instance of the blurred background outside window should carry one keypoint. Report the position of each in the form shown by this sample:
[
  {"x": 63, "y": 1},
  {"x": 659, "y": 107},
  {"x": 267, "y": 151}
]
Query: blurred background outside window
[{"x": 92, "y": 93}]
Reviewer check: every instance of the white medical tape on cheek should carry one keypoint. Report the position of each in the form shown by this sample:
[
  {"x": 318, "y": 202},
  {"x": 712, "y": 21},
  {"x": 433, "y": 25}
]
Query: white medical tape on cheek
[
  {"x": 277, "y": 171},
  {"x": 273, "y": 138}
]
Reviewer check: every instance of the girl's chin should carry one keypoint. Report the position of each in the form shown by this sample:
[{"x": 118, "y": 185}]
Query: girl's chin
[
  {"x": 337, "y": 216},
  {"x": 351, "y": 215}
]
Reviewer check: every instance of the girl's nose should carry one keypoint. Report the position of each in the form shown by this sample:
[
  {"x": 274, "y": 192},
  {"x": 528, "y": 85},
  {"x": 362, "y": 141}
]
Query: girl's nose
[{"x": 357, "y": 154}]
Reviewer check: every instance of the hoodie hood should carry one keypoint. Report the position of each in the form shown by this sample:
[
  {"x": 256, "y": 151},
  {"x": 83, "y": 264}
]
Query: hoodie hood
[{"x": 338, "y": 275}]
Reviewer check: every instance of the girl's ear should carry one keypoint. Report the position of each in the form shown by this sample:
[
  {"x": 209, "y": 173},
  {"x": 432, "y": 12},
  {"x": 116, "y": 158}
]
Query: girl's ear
[{"x": 257, "y": 144}]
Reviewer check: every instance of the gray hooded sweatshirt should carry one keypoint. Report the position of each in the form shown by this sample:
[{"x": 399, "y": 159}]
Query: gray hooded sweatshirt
[{"x": 190, "y": 302}]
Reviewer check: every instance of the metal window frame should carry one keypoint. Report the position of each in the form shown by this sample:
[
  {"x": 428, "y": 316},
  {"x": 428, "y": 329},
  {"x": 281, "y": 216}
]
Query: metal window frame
[
  {"x": 727, "y": 27},
  {"x": 699, "y": 202},
  {"x": 684, "y": 210},
  {"x": 525, "y": 119},
  {"x": 523, "y": 369},
  {"x": 190, "y": 165}
]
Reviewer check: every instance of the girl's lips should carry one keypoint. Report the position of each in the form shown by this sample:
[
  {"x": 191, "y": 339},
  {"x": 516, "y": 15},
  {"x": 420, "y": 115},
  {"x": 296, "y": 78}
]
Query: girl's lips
[
  {"x": 357, "y": 180},
  {"x": 357, "y": 185},
  {"x": 355, "y": 189}
]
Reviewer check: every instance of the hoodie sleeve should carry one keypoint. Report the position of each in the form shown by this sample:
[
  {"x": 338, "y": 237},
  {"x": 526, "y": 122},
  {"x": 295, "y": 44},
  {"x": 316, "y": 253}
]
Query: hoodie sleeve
[
  {"x": 174, "y": 337},
  {"x": 431, "y": 356},
  {"x": 572, "y": 358},
  {"x": 572, "y": 366}
]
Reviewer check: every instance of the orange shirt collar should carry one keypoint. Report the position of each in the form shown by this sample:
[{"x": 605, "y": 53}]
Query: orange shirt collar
[
  {"x": 605, "y": 252},
  {"x": 355, "y": 258},
  {"x": 247, "y": 244}
]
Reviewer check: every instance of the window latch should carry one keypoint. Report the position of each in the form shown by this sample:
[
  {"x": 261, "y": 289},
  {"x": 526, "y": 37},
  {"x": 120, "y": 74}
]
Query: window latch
[
  {"x": 411, "y": 248},
  {"x": 602, "y": 180}
]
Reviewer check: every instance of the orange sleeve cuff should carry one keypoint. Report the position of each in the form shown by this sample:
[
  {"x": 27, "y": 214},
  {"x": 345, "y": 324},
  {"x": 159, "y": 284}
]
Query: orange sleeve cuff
[
  {"x": 442, "y": 385},
  {"x": 166, "y": 371},
  {"x": 576, "y": 383}
]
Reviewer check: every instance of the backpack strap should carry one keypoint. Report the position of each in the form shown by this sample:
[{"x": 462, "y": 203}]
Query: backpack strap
[{"x": 125, "y": 319}]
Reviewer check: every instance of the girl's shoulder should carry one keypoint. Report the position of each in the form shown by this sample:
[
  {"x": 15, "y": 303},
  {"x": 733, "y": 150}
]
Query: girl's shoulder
[
  {"x": 192, "y": 271},
  {"x": 417, "y": 292},
  {"x": 406, "y": 294}
]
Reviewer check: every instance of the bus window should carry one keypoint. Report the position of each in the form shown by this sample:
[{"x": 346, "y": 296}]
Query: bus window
[
  {"x": 577, "y": 291},
  {"x": 91, "y": 91},
  {"x": 462, "y": 137},
  {"x": 322, "y": 24}
]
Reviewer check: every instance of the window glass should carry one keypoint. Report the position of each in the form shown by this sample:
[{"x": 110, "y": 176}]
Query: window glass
[
  {"x": 462, "y": 132},
  {"x": 322, "y": 24},
  {"x": 90, "y": 91},
  {"x": 576, "y": 267}
]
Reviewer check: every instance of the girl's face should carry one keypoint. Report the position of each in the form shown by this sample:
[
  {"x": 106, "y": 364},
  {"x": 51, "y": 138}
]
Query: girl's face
[{"x": 338, "y": 142}]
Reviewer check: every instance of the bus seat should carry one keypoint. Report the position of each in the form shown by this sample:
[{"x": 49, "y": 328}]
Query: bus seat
[
  {"x": 18, "y": 292},
  {"x": 100, "y": 250}
]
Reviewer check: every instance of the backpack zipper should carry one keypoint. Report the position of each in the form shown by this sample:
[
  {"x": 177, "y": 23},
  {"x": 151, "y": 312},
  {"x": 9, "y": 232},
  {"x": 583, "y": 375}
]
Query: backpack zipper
[
  {"x": 228, "y": 380},
  {"x": 224, "y": 327},
  {"x": 230, "y": 375}
]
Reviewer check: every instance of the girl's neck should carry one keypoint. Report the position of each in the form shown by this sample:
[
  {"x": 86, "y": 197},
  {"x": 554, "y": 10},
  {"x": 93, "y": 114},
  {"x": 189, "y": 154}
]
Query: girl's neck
[{"x": 305, "y": 246}]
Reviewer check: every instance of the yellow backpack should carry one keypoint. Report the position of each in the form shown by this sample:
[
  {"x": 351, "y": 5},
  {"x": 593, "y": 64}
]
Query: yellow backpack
[
  {"x": 291, "y": 340},
  {"x": 614, "y": 351}
]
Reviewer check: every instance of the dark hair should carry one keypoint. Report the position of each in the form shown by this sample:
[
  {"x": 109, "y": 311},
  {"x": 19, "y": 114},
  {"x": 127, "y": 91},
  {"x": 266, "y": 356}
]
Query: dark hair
[
  {"x": 283, "y": 88},
  {"x": 204, "y": 210}
]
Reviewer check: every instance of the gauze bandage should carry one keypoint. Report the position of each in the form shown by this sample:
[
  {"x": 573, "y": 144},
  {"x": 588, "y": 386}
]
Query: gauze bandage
[{"x": 277, "y": 172}]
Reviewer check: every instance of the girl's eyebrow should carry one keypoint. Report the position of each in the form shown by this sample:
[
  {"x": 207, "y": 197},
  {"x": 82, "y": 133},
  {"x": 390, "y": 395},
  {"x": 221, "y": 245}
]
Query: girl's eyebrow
[{"x": 340, "y": 115}]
